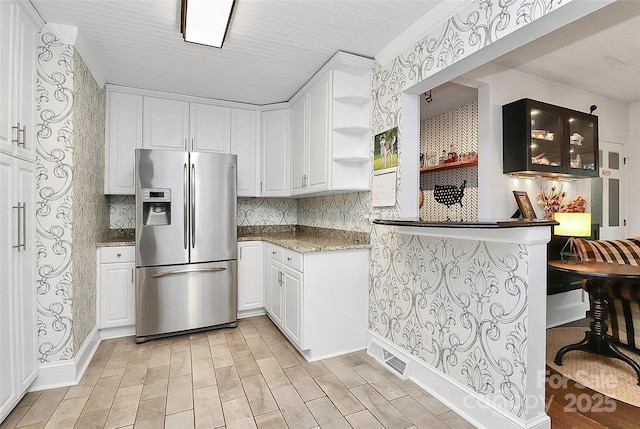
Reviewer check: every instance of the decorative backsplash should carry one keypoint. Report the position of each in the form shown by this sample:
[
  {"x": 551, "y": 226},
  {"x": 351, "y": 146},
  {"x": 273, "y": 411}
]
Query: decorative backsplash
[
  {"x": 341, "y": 211},
  {"x": 122, "y": 211},
  {"x": 267, "y": 211},
  {"x": 455, "y": 130}
]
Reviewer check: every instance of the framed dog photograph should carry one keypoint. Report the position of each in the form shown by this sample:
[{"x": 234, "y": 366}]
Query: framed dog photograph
[
  {"x": 385, "y": 150},
  {"x": 524, "y": 205}
]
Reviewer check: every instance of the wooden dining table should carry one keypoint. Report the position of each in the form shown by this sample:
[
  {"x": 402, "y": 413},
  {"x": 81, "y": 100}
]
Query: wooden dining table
[{"x": 598, "y": 278}]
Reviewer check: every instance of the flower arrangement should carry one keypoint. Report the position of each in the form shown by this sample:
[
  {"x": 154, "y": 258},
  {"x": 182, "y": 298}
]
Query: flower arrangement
[{"x": 551, "y": 201}]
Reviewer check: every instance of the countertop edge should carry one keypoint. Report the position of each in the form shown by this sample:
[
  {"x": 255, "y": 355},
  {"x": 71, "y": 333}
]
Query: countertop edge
[{"x": 517, "y": 223}]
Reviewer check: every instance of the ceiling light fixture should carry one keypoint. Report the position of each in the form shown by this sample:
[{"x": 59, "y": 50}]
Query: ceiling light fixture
[{"x": 205, "y": 21}]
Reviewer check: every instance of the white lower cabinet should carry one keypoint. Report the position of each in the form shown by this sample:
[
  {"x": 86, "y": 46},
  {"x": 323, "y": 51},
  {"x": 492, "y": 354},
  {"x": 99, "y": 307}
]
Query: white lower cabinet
[
  {"x": 17, "y": 281},
  {"x": 319, "y": 300},
  {"x": 250, "y": 278},
  {"x": 116, "y": 291}
]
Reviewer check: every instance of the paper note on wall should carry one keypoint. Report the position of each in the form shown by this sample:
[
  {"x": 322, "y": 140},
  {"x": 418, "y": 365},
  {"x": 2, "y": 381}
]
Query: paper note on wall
[{"x": 384, "y": 189}]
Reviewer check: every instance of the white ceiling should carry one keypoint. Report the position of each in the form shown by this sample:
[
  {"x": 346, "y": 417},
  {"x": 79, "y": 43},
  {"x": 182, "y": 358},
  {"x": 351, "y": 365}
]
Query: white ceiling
[{"x": 274, "y": 46}]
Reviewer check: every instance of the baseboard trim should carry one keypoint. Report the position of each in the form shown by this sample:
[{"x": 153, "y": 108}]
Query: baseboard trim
[
  {"x": 121, "y": 331},
  {"x": 566, "y": 307},
  {"x": 67, "y": 373},
  {"x": 474, "y": 408},
  {"x": 242, "y": 314}
]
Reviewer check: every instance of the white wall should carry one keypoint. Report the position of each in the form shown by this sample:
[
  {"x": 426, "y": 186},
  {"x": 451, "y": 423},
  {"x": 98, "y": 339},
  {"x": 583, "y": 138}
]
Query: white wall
[
  {"x": 503, "y": 87},
  {"x": 633, "y": 171}
]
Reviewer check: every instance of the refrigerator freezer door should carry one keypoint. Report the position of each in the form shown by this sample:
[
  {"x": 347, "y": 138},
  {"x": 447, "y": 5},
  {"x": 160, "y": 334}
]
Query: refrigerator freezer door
[
  {"x": 213, "y": 232},
  {"x": 186, "y": 297},
  {"x": 162, "y": 244}
]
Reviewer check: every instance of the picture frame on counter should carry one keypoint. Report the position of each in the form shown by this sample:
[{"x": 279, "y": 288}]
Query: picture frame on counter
[{"x": 524, "y": 205}]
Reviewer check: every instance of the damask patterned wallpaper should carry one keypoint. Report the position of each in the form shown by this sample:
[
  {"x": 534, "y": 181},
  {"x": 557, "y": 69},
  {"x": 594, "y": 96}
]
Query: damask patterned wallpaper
[
  {"x": 458, "y": 305},
  {"x": 458, "y": 127},
  {"x": 414, "y": 301},
  {"x": 90, "y": 216},
  {"x": 54, "y": 199},
  {"x": 71, "y": 211},
  {"x": 342, "y": 211}
]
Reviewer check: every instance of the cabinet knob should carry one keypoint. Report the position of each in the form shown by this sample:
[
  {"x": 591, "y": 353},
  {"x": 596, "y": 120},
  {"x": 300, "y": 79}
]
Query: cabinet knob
[
  {"x": 273, "y": 252},
  {"x": 119, "y": 254},
  {"x": 289, "y": 258}
]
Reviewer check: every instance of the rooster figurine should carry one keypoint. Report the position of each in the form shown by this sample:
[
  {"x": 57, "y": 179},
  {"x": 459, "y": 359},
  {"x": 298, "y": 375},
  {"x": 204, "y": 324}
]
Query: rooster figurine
[{"x": 449, "y": 195}]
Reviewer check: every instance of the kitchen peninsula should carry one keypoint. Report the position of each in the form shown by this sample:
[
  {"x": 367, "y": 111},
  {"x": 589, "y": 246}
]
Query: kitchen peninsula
[{"x": 463, "y": 305}]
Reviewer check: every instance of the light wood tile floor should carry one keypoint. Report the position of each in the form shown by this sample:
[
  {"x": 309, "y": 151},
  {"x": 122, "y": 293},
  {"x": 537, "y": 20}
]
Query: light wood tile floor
[{"x": 247, "y": 377}]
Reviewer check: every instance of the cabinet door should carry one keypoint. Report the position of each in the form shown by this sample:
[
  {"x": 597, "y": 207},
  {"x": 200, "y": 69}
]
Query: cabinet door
[
  {"x": 299, "y": 141},
  {"x": 7, "y": 16},
  {"x": 25, "y": 83},
  {"x": 244, "y": 144},
  {"x": 166, "y": 124},
  {"x": 275, "y": 292},
  {"x": 116, "y": 299},
  {"x": 24, "y": 300},
  {"x": 275, "y": 151},
  {"x": 209, "y": 128},
  {"x": 250, "y": 275},
  {"x": 318, "y": 147},
  {"x": 292, "y": 317},
  {"x": 124, "y": 136},
  {"x": 7, "y": 233},
  {"x": 18, "y": 41}
]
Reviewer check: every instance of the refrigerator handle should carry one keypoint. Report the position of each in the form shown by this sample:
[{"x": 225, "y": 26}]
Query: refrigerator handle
[
  {"x": 193, "y": 206},
  {"x": 185, "y": 210}
]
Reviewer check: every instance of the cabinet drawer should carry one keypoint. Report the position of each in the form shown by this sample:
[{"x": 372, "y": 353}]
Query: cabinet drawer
[
  {"x": 293, "y": 259},
  {"x": 117, "y": 254},
  {"x": 275, "y": 253}
]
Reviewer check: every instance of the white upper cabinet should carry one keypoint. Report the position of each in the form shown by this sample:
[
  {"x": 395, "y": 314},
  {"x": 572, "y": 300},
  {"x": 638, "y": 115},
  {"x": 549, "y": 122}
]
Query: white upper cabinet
[
  {"x": 182, "y": 125},
  {"x": 318, "y": 136},
  {"x": 165, "y": 124},
  {"x": 124, "y": 135},
  {"x": 139, "y": 119},
  {"x": 210, "y": 128},
  {"x": 299, "y": 143},
  {"x": 244, "y": 143},
  {"x": 275, "y": 153},
  {"x": 331, "y": 141},
  {"x": 18, "y": 41}
]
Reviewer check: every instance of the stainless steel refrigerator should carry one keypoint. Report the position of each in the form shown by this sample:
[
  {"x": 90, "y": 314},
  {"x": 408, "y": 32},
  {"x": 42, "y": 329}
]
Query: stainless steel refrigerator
[{"x": 186, "y": 272}]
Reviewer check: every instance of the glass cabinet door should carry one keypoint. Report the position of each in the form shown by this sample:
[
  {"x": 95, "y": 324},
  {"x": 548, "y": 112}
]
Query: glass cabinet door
[
  {"x": 582, "y": 138},
  {"x": 546, "y": 137}
]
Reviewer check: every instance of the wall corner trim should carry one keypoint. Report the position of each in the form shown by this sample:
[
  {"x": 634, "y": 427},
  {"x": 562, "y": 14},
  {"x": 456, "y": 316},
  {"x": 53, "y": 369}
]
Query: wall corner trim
[{"x": 69, "y": 372}]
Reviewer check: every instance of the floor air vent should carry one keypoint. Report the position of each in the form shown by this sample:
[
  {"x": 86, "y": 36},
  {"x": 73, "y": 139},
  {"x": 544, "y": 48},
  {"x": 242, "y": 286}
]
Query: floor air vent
[{"x": 394, "y": 362}]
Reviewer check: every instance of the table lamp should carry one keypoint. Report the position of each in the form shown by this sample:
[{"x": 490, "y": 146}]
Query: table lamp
[{"x": 572, "y": 225}]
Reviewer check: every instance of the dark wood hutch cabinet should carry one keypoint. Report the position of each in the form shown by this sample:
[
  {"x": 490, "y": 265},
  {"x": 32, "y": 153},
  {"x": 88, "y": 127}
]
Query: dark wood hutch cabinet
[{"x": 541, "y": 139}]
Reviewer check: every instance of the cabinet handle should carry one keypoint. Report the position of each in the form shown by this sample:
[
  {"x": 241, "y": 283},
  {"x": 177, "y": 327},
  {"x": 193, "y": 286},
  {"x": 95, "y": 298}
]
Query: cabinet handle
[
  {"x": 22, "y": 131},
  {"x": 289, "y": 258},
  {"x": 22, "y": 226},
  {"x": 132, "y": 281},
  {"x": 17, "y": 130}
]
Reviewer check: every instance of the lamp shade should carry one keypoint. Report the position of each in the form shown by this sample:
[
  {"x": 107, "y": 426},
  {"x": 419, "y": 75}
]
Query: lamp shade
[{"x": 573, "y": 224}]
